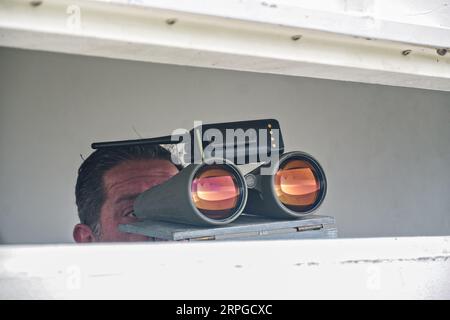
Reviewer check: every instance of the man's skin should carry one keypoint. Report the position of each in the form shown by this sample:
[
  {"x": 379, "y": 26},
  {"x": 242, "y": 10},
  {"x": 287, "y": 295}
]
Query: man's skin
[{"x": 123, "y": 184}]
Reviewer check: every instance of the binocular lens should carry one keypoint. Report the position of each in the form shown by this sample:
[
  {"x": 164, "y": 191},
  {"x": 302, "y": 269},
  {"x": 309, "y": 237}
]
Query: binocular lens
[
  {"x": 216, "y": 192},
  {"x": 297, "y": 185}
]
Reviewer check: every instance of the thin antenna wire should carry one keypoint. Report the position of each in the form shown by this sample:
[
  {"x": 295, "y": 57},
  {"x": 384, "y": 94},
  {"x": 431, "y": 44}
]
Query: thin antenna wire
[{"x": 135, "y": 131}]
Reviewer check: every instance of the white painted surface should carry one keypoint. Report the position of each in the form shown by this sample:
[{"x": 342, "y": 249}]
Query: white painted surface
[
  {"x": 247, "y": 35},
  {"x": 385, "y": 268},
  {"x": 422, "y": 22}
]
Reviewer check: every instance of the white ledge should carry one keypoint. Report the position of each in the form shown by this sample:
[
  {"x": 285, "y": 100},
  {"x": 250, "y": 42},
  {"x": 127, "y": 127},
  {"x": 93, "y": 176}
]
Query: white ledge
[
  {"x": 379, "y": 268},
  {"x": 277, "y": 37}
]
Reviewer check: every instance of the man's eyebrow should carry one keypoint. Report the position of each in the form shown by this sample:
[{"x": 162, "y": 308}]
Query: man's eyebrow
[{"x": 127, "y": 197}]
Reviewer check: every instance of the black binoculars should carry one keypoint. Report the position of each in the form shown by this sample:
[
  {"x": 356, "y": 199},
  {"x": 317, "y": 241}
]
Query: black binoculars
[{"x": 212, "y": 190}]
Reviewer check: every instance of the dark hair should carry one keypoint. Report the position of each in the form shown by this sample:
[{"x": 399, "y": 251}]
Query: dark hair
[{"x": 89, "y": 190}]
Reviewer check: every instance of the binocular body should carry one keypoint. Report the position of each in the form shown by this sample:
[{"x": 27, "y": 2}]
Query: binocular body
[
  {"x": 216, "y": 194},
  {"x": 296, "y": 188},
  {"x": 209, "y": 192},
  {"x": 201, "y": 194}
]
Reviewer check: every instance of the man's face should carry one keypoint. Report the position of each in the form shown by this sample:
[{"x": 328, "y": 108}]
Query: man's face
[{"x": 123, "y": 184}]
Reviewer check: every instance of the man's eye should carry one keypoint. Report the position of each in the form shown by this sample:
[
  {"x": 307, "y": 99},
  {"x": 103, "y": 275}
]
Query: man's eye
[{"x": 130, "y": 214}]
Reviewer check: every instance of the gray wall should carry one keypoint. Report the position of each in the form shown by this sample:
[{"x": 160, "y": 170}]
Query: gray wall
[{"x": 386, "y": 150}]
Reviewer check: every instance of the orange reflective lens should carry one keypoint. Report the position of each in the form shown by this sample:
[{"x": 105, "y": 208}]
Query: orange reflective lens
[
  {"x": 215, "y": 193},
  {"x": 296, "y": 185}
]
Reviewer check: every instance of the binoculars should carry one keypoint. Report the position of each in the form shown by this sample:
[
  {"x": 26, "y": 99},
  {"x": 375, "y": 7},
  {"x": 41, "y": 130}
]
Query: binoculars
[{"x": 214, "y": 191}]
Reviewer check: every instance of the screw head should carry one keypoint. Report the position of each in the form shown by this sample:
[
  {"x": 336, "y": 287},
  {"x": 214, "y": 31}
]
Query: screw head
[
  {"x": 35, "y": 3},
  {"x": 442, "y": 51},
  {"x": 171, "y": 21},
  {"x": 250, "y": 179},
  {"x": 406, "y": 52}
]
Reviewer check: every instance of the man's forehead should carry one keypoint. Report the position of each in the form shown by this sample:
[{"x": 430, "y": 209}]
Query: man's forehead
[{"x": 134, "y": 175}]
